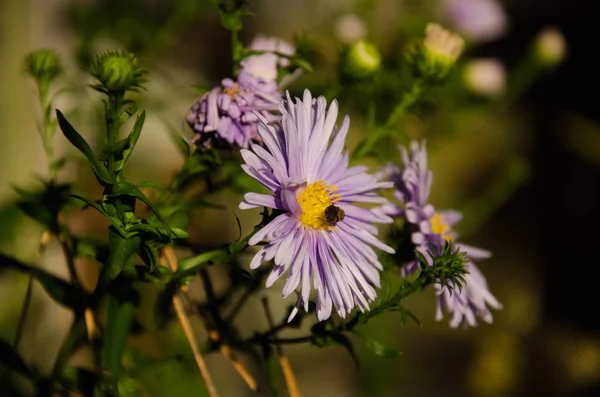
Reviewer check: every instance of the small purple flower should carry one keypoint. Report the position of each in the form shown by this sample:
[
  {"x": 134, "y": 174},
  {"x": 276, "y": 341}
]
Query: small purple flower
[
  {"x": 479, "y": 20},
  {"x": 427, "y": 226},
  {"x": 229, "y": 112},
  {"x": 321, "y": 237}
]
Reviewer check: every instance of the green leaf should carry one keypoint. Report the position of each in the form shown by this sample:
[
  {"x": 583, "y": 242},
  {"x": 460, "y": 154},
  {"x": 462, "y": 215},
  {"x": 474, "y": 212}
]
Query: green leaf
[
  {"x": 77, "y": 140},
  {"x": 79, "y": 379},
  {"x": 44, "y": 204},
  {"x": 376, "y": 347},
  {"x": 121, "y": 250},
  {"x": 121, "y": 303},
  {"x": 10, "y": 218},
  {"x": 58, "y": 289},
  {"x": 273, "y": 370},
  {"x": 149, "y": 184},
  {"x": 189, "y": 266},
  {"x": 129, "y": 189},
  {"x": 131, "y": 141},
  {"x": 301, "y": 62},
  {"x": 10, "y": 359}
]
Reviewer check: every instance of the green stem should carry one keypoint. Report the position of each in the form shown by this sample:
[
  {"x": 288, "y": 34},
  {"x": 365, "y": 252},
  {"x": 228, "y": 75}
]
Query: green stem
[
  {"x": 76, "y": 332},
  {"x": 410, "y": 97}
]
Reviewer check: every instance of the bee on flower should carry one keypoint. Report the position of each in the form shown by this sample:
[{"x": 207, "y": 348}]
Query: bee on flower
[{"x": 320, "y": 238}]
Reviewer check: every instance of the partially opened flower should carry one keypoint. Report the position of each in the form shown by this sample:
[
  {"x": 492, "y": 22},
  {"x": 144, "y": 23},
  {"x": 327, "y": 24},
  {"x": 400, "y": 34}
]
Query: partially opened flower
[
  {"x": 426, "y": 227},
  {"x": 465, "y": 305},
  {"x": 320, "y": 237}
]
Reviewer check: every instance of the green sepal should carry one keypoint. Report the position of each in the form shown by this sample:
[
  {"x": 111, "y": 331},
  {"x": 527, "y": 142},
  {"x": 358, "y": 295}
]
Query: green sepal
[{"x": 77, "y": 140}]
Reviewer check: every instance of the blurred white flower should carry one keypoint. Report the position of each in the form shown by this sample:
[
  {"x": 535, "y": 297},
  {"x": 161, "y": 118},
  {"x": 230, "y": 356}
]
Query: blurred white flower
[
  {"x": 551, "y": 46},
  {"x": 485, "y": 76},
  {"x": 350, "y": 28}
]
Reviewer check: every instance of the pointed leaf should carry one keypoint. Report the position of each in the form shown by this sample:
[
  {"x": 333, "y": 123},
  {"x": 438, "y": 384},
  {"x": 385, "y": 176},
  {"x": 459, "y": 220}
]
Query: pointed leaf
[
  {"x": 130, "y": 189},
  {"x": 77, "y": 140},
  {"x": 132, "y": 140}
]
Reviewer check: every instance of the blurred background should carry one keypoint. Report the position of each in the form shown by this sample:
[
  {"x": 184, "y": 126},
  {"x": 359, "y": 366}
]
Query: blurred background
[{"x": 520, "y": 159}]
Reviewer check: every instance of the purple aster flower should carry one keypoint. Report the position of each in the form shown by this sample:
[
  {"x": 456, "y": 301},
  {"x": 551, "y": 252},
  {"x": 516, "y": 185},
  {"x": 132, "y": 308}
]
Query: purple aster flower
[
  {"x": 321, "y": 237},
  {"x": 426, "y": 227},
  {"x": 229, "y": 112},
  {"x": 479, "y": 20}
]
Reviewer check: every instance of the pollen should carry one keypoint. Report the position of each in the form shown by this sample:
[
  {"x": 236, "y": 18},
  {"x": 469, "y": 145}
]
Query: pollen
[
  {"x": 233, "y": 91},
  {"x": 314, "y": 200},
  {"x": 439, "y": 226}
]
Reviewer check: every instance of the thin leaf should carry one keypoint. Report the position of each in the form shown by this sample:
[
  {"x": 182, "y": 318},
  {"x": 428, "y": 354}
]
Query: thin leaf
[
  {"x": 58, "y": 289},
  {"x": 132, "y": 139},
  {"x": 273, "y": 370},
  {"x": 189, "y": 266},
  {"x": 77, "y": 140},
  {"x": 130, "y": 189}
]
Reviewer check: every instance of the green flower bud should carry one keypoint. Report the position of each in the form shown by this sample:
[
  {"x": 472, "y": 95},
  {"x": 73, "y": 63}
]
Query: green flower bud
[
  {"x": 43, "y": 65},
  {"x": 361, "y": 60},
  {"x": 117, "y": 72},
  {"x": 433, "y": 57}
]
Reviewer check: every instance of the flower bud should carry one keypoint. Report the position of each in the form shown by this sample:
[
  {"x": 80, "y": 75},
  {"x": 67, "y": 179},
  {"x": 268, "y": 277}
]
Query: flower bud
[
  {"x": 117, "y": 72},
  {"x": 550, "y": 46},
  {"x": 433, "y": 57},
  {"x": 361, "y": 60},
  {"x": 43, "y": 65},
  {"x": 485, "y": 77}
]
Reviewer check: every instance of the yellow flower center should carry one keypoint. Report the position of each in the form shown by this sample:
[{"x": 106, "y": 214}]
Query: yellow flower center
[
  {"x": 314, "y": 201},
  {"x": 438, "y": 226},
  {"x": 233, "y": 91}
]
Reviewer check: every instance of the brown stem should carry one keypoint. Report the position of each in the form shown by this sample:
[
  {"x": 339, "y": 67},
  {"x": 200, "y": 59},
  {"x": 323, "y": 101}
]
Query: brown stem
[
  {"x": 170, "y": 261},
  {"x": 284, "y": 363}
]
